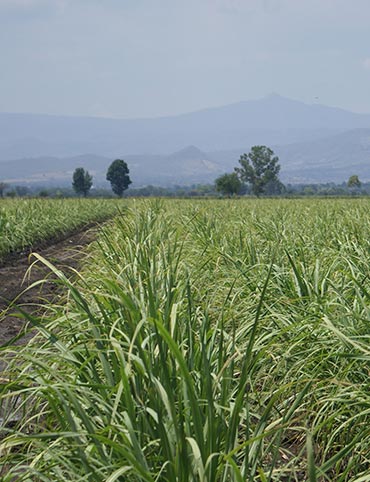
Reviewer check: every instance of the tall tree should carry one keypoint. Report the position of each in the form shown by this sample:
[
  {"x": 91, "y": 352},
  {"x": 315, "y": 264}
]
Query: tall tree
[
  {"x": 354, "y": 182},
  {"x": 228, "y": 184},
  {"x": 3, "y": 186},
  {"x": 82, "y": 181},
  {"x": 259, "y": 168},
  {"x": 118, "y": 176}
]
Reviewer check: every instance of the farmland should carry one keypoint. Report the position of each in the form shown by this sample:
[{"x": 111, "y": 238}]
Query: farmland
[
  {"x": 25, "y": 222},
  {"x": 209, "y": 340}
]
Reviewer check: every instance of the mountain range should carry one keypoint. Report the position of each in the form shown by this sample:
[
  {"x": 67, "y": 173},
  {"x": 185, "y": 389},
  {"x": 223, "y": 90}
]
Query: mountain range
[{"x": 315, "y": 143}]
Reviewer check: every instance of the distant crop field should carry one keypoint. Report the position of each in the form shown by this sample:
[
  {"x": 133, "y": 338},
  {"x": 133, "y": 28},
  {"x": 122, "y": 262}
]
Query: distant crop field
[
  {"x": 24, "y": 222},
  {"x": 205, "y": 340}
]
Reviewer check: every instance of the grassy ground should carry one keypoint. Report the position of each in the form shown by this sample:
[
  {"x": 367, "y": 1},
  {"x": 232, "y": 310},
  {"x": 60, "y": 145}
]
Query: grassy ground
[
  {"x": 205, "y": 341},
  {"x": 25, "y": 222}
]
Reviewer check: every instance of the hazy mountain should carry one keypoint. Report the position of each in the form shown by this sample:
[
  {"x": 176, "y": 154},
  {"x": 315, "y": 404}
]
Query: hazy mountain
[
  {"x": 187, "y": 166},
  {"x": 330, "y": 159},
  {"x": 273, "y": 120},
  {"x": 333, "y": 158},
  {"x": 314, "y": 143},
  {"x": 275, "y": 112}
]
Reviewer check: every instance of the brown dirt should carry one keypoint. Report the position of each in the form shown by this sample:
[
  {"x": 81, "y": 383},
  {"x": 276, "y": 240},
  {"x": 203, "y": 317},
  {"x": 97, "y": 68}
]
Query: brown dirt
[{"x": 65, "y": 254}]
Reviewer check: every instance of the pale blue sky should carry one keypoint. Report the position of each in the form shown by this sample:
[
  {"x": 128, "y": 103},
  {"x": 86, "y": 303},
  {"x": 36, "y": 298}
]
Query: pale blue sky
[{"x": 138, "y": 58}]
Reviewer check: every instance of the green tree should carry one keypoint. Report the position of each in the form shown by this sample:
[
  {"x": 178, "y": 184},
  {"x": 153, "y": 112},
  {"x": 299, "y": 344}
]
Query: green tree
[
  {"x": 354, "y": 182},
  {"x": 43, "y": 193},
  {"x": 82, "y": 181},
  {"x": 3, "y": 186},
  {"x": 228, "y": 184},
  {"x": 275, "y": 188},
  {"x": 118, "y": 176},
  {"x": 259, "y": 168}
]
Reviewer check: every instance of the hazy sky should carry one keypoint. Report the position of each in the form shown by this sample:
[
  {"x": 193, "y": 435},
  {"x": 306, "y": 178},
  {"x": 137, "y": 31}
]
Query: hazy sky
[{"x": 136, "y": 58}]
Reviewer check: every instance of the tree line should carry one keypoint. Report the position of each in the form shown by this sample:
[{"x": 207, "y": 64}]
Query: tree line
[
  {"x": 117, "y": 175},
  {"x": 257, "y": 174},
  {"x": 259, "y": 170}
]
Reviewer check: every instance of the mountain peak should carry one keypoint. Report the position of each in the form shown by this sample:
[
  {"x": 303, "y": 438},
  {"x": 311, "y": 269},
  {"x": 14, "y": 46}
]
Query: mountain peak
[
  {"x": 190, "y": 152},
  {"x": 273, "y": 95}
]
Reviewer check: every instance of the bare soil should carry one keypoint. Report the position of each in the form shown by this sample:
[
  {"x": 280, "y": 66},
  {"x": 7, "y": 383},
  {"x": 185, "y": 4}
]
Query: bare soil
[{"x": 65, "y": 254}]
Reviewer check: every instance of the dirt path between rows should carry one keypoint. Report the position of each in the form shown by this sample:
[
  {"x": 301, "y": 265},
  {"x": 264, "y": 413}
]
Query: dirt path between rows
[{"x": 65, "y": 254}]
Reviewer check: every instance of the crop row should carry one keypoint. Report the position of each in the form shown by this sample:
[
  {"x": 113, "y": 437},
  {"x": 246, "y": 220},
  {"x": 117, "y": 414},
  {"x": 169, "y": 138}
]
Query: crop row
[
  {"x": 24, "y": 223},
  {"x": 205, "y": 341}
]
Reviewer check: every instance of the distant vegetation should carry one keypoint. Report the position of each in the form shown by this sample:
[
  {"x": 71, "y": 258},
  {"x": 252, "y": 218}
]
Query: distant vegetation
[
  {"x": 354, "y": 182},
  {"x": 82, "y": 181},
  {"x": 229, "y": 184},
  {"x": 194, "y": 190},
  {"x": 260, "y": 169},
  {"x": 257, "y": 175},
  {"x": 3, "y": 186},
  {"x": 118, "y": 176}
]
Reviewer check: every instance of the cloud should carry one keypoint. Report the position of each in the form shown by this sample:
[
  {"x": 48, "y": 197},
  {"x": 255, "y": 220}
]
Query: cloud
[
  {"x": 26, "y": 6},
  {"x": 20, "y": 4},
  {"x": 366, "y": 63}
]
